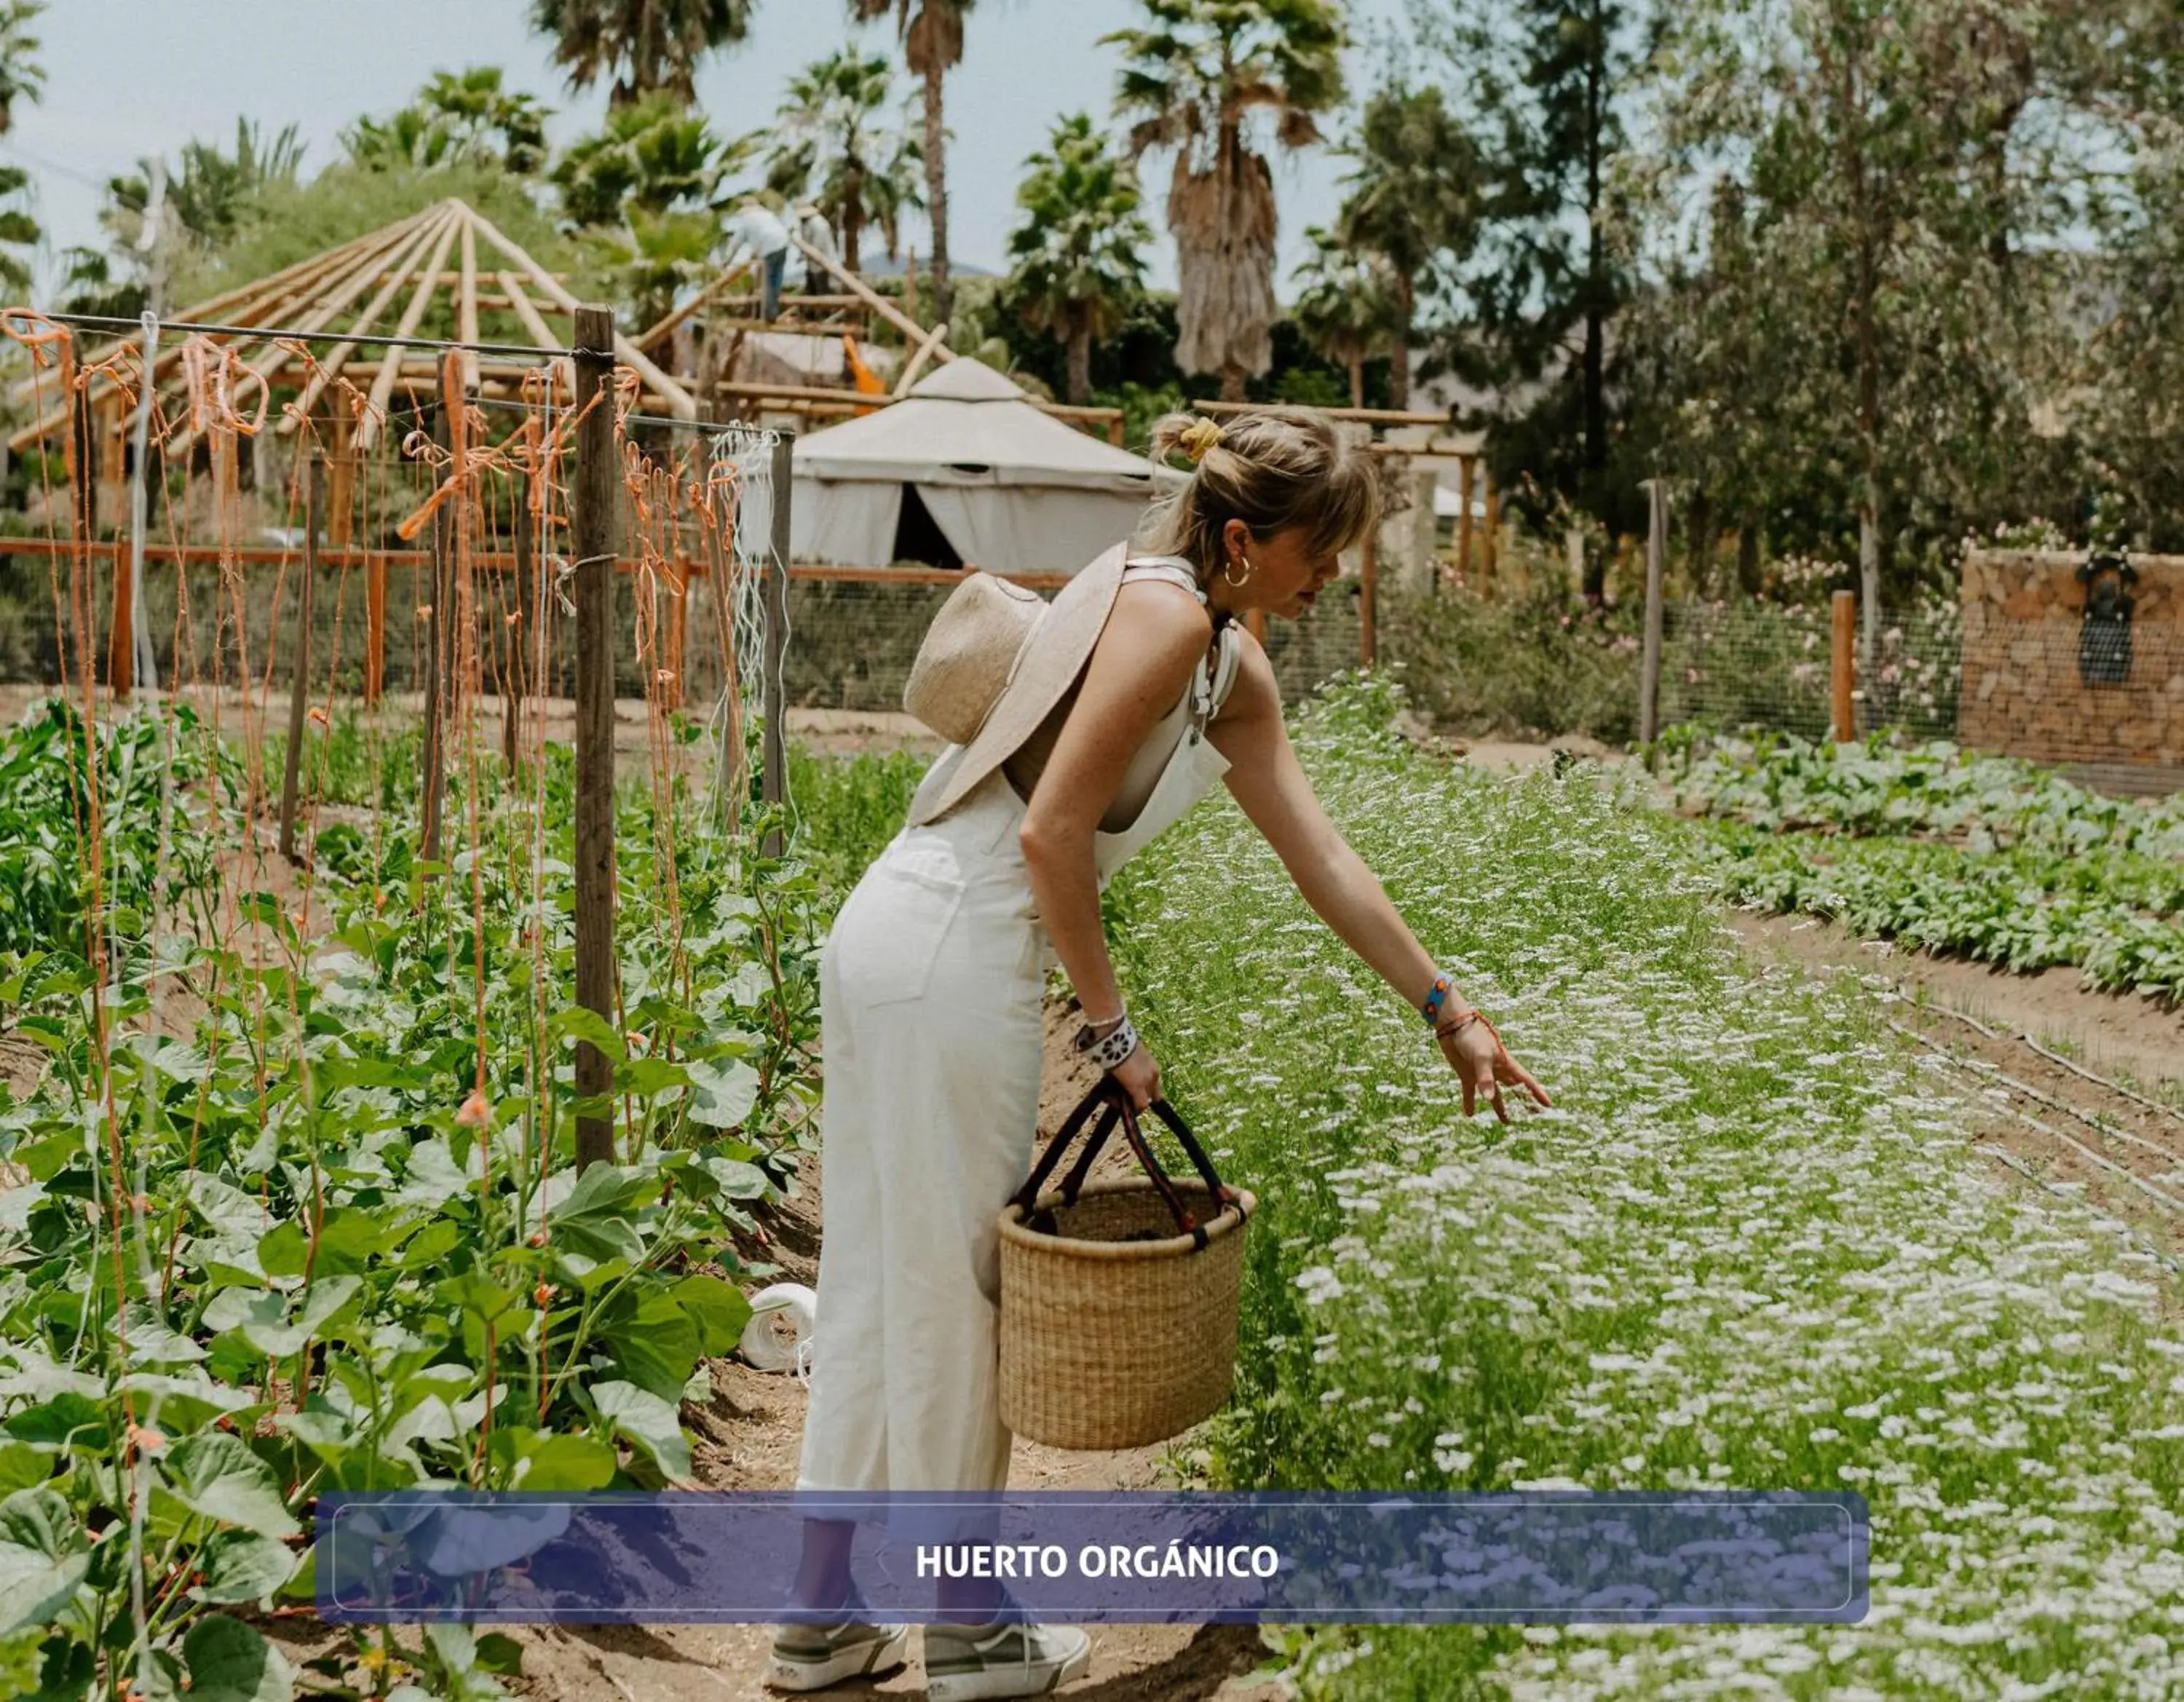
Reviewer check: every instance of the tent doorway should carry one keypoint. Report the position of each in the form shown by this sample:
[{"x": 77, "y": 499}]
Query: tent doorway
[{"x": 918, "y": 537}]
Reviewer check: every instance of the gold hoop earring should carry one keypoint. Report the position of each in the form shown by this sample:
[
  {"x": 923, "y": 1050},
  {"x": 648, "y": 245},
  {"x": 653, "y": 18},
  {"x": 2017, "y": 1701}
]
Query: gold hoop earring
[{"x": 1228, "y": 572}]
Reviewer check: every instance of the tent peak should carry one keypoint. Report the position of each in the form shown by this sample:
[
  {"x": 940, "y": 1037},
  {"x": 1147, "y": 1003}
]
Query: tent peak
[{"x": 965, "y": 380}]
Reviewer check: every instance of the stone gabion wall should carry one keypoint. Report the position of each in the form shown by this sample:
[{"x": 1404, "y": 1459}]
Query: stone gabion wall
[{"x": 2022, "y": 694}]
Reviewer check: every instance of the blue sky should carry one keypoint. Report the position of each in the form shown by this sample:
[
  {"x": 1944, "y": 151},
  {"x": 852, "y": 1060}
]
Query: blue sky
[{"x": 126, "y": 78}]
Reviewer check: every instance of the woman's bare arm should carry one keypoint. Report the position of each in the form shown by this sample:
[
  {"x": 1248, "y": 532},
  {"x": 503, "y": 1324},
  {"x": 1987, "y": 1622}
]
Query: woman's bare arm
[
  {"x": 1154, "y": 637},
  {"x": 1270, "y": 787}
]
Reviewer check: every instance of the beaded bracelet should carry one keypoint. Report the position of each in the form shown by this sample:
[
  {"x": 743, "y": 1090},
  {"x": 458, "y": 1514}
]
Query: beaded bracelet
[
  {"x": 1431, "y": 1008},
  {"x": 1111, "y": 1049}
]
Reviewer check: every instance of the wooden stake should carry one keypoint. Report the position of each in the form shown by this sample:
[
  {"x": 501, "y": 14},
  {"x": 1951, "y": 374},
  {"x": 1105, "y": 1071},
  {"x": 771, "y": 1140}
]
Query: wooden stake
[
  {"x": 121, "y": 642},
  {"x": 1843, "y": 653},
  {"x": 1649, "y": 663},
  {"x": 525, "y": 576},
  {"x": 341, "y": 478},
  {"x": 592, "y": 525},
  {"x": 678, "y": 622},
  {"x": 1493, "y": 525},
  {"x": 774, "y": 682},
  {"x": 439, "y": 666},
  {"x": 1469, "y": 465},
  {"x": 314, "y": 502}
]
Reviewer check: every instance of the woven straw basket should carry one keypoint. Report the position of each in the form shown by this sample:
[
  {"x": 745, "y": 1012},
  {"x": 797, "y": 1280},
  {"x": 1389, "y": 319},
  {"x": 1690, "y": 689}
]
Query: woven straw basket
[{"x": 1118, "y": 1298}]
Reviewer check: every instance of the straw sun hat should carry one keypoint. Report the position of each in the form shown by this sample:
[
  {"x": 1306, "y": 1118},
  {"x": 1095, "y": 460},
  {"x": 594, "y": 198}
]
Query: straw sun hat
[{"x": 996, "y": 660}]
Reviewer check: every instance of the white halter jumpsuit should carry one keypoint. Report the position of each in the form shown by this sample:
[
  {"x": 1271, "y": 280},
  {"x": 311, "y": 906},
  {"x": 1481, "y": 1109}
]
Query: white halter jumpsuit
[{"x": 931, "y": 986}]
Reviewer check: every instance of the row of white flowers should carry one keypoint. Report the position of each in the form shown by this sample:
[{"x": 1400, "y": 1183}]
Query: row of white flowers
[{"x": 1747, "y": 1248}]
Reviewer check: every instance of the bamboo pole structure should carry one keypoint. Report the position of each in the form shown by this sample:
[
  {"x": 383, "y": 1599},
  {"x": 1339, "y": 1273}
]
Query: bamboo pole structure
[
  {"x": 314, "y": 503},
  {"x": 676, "y": 399},
  {"x": 914, "y": 367},
  {"x": 592, "y": 524},
  {"x": 871, "y": 298},
  {"x": 382, "y": 387}
]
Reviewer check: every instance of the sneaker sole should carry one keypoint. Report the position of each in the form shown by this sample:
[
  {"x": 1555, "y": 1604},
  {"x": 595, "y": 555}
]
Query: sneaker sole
[
  {"x": 864, "y": 1661},
  {"x": 987, "y": 1687}
]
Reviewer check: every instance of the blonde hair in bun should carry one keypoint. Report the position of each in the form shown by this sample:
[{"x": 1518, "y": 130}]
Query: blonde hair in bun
[{"x": 1273, "y": 469}]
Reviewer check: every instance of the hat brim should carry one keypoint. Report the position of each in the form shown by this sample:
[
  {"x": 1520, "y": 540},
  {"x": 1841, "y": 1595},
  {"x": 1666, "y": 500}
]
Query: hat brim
[{"x": 1052, "y": 659}]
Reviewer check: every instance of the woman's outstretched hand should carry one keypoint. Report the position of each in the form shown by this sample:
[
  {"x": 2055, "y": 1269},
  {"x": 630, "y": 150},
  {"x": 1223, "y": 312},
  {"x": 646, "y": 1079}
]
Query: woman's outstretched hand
[{"x": 1483, "y": 1065}]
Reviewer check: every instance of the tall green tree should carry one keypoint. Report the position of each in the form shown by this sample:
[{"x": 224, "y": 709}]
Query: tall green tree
[
  {"x": 1414, "y": 198},
  {"x": 1196, "y": 76},
  {"x": 1549, "y": 83},
  {"x": 22, "y": 73},
  {"x": 836, "y": 148},
  {"x": 648, "y": 47},
  {"x": 1895, "y": 188},
  {"x": 932, "y": 32},
  {"x": 472, "y": 117},
  {"x": 1079, "y": 252},
  {"x": 1347, "y": 309}
]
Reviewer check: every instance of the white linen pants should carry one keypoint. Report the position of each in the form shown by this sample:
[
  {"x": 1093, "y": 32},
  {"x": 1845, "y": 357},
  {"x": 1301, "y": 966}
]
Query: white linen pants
[{"x": 930, "y": 993}]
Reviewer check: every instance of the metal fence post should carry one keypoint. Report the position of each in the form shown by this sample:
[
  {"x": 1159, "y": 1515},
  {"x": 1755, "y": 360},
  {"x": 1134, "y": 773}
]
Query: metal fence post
[{"x": 1649, "y": 665}]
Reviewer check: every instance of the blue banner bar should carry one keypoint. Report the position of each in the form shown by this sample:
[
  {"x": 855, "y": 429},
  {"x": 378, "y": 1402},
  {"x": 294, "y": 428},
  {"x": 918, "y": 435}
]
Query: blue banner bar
[{"x": 1561, "y": 1557}]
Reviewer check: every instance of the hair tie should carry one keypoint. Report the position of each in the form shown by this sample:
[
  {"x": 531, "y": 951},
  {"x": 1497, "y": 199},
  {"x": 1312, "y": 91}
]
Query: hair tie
[{"x": 1200, "y": 440}]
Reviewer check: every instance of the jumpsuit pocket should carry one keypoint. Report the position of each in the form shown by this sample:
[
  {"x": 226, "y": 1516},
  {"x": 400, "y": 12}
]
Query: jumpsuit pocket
[{"x": 909, "y": 904}]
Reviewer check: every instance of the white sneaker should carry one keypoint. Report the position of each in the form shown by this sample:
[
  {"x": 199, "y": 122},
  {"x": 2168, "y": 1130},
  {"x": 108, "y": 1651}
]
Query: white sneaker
[
  {"x": 812, "y": 1656},
  {"x": 969, "y": 1663}
]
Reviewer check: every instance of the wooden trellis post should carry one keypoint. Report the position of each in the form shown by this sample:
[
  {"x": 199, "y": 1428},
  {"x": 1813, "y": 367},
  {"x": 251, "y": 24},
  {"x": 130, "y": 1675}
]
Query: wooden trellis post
[
  {"x": 314, "y": 502},
  {"x": 524, "y": 540},
  {"x": 592, "y": 537},
  {"x": 1467, "y": 477},
  {"x": 439, "y": 667},
  {"x": 775, "y": 686}
]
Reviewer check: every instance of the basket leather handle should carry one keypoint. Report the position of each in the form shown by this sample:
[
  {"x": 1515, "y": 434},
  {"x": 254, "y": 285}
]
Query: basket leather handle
[{"x": 1108, "y": 1095}]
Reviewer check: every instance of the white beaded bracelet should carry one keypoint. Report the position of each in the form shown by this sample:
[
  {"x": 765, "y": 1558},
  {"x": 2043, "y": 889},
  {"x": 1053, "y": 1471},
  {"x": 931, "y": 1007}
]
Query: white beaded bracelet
[{"x": 1109, "y": 1050}]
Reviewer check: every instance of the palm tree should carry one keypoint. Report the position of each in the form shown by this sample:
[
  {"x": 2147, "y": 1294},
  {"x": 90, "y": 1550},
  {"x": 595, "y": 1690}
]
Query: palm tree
[
  {"x": 1079, "y": 253},
  {"x": 655, "y": 157},
  {"x": 18, "y": 231},
  {"x": 834, "y": 151},
  {"x": 932, "y": 32},
  {"x": 651, "y": 45},
  {"x": 1413, "y": 197},
  {"x": 1195, "y": 77},
  {"x": 211, "y": 191},
  {"x": 22, "y": 78},
  {"x": 1346, "y": 309}
]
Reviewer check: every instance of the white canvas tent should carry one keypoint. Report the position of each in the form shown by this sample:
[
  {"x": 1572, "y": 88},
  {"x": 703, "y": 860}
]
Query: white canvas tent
[{"x": 964, "y": 464}]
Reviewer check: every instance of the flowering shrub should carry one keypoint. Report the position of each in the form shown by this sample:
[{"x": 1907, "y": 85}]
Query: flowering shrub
[{"x": 1747, "y": 1247}]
